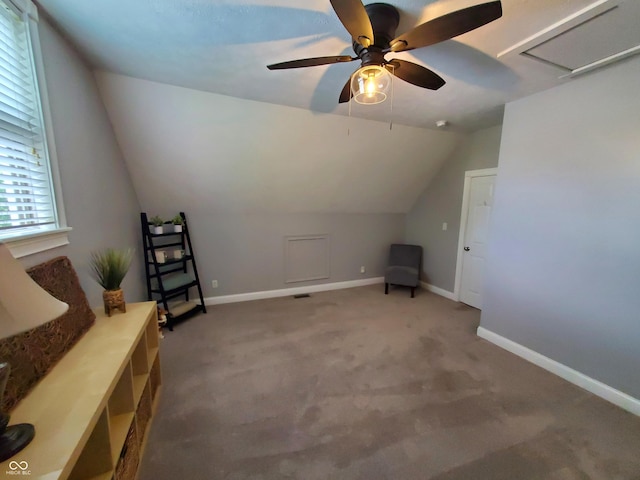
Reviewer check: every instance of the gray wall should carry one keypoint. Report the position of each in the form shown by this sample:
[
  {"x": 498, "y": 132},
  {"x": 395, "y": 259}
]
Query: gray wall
[
  {"x": 245, "y": 252},
  {"x": 563, "y": 269},
  {"x": 247, "y": 174},
  {"x": 229, "y": 155},
  {"x": 441, "y": 202},
  {"x": 100, "y": 203}
]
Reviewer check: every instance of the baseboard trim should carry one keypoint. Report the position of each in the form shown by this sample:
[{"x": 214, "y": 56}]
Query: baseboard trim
[
  {"x": 439, "y": 291},
  {"x": 285, "y": 292},
  {"x": 596, "y": 387}
]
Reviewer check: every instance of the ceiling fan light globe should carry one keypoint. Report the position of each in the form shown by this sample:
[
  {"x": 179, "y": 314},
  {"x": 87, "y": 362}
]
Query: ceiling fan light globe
[{"x": 371, "y": 84}]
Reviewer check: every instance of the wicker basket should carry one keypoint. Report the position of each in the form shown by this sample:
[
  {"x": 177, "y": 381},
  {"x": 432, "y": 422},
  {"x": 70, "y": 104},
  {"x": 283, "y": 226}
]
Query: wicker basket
[
  {"x": 129, "y": 458},
  {"x": 143, "y": 413},
  {"x": 154, "y": 378}
]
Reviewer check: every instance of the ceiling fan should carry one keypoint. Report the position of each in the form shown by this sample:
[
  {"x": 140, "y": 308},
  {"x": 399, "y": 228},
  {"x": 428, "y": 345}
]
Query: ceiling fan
[{"x": 373, "y": 31}]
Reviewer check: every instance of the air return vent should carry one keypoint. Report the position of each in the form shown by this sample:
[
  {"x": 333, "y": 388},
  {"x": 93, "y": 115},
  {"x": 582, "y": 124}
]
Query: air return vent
[
  {"x": 306, "y": 258},
  {"x": 602, "y": 33}
]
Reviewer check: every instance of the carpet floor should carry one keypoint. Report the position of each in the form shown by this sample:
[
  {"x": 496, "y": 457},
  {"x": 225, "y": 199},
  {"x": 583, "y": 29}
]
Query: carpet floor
[{"x": 355, "y": 384}]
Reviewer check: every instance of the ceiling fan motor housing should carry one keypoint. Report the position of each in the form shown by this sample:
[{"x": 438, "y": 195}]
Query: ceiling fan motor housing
[
  {"x": 384, "y": 21},
  {"x": 380, "y": 21}
]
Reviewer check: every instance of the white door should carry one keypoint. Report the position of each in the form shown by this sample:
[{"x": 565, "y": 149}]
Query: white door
[{"x": 475, "y": 239}]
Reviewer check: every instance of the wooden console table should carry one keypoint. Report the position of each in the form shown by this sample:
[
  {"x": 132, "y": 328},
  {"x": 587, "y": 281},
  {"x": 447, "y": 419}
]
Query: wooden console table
[{"x": 93, "y": 410}]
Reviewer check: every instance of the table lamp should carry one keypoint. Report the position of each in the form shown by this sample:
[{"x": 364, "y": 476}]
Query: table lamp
[{"x": 24, "y": 305}]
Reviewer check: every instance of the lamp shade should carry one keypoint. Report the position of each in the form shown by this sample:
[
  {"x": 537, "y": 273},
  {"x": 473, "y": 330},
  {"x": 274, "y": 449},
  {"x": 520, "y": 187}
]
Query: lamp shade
[
  {"x": 371, "y": 84},
  {"x": 23, "y": 303}
]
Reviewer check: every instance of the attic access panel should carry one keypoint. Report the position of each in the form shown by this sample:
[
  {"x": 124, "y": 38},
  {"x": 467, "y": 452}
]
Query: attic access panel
[{"x": 602, "y": 33}]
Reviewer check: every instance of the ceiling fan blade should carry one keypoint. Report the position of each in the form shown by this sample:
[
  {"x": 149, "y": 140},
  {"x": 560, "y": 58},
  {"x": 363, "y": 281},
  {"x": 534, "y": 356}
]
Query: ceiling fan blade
[
  {"x": 447, "y": 26},
  {"x": 346, "y": 94},
  {"x": 354, "y": 17},
  {"x": 310, "y": 62},
  {"x": 415, "y": 74}
]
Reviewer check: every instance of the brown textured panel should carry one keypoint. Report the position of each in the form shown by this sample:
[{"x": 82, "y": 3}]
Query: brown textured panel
[{"x": 32, "y": 354}]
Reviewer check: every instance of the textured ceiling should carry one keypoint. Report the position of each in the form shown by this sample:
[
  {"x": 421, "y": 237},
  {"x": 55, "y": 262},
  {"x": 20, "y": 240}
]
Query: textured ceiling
[{"x": 223, "y": 46}]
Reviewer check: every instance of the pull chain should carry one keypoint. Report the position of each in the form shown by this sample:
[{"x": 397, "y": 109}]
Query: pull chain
[
  {"x": 391, "y": 106},
  {"x": 350, "y": 100}
]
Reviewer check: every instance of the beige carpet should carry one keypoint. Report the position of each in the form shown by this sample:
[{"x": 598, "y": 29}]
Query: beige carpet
[{"x": 353, "y": 384}]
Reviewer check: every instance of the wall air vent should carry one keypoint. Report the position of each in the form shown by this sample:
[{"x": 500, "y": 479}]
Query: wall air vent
[{"x": 602, "y": 33}]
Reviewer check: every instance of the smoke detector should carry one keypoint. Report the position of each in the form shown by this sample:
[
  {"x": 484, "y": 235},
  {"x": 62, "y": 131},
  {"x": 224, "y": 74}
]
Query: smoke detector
[{"x": 441, "y": 123}]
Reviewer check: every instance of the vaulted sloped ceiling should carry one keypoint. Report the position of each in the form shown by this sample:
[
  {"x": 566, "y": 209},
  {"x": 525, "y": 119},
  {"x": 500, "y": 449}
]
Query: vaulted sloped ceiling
[
  {"x": 223, "y": 47},
  {"x": 211, "y": 153},
  {"x": 221, "y": 133}
]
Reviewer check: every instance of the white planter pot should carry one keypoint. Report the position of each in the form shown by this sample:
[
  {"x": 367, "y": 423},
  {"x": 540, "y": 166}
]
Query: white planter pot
[
  {"x": 157, "y": 230},
  {"x": 177, "y": 228}
]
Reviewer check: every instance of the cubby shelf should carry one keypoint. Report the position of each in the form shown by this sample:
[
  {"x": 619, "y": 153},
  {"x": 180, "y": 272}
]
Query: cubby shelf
[
  {"x": 119, "y": 427},
  {"x": 152, "y": 354},
  {"x": 139, "y": 382},
  {"x": 104, "y": 476},
  {"x": 97, "y": 399}
]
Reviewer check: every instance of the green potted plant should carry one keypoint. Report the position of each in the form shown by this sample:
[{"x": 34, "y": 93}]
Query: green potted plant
[
  {"x": 177, "y": 223},
  {"x": 157, "y": 223},
  {"x": 109, "y": 267}
]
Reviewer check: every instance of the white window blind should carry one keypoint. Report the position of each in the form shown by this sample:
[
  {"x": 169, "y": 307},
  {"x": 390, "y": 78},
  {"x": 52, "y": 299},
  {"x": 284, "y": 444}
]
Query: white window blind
[{"x": 27, "y": 202}]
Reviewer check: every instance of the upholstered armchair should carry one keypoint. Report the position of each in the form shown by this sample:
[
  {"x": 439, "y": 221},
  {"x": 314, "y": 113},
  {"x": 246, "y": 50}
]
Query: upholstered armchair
[{"x": 403, "y": 267}]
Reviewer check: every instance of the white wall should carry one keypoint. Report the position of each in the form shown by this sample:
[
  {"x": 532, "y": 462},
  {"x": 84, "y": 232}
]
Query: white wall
[
  {"x": 100, "y": 203},
  {"x": 563, "y": 269},
  {"x": 441, "y": 202}
]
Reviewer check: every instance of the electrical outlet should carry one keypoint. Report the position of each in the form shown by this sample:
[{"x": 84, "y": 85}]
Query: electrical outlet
[
  {"x": 444, "y": 226},
  {"x": 362, "y": 269},
  {"x": 214, "y": 283}
]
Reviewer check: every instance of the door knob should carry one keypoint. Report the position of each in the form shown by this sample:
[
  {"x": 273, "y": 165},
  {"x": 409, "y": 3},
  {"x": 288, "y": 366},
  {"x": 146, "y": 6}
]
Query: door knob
[{"x": 466, "y": 249}]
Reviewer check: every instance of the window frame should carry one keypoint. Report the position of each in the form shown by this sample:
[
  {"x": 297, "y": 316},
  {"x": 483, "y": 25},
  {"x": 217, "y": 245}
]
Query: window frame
[{"x": 39, "y": 240}]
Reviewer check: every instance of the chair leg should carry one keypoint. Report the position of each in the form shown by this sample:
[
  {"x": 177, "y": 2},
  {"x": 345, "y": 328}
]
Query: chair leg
[
  {"x": 386, "y": 288},
  {"x": 413, "y": 290}
]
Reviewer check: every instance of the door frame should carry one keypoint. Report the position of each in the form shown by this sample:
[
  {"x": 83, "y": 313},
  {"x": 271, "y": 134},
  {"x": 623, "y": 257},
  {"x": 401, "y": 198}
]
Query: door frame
[{"x": 464, "y": 216}]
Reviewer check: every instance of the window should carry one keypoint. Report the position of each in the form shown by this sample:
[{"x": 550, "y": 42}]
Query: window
[{"x": 27, "y": 194}]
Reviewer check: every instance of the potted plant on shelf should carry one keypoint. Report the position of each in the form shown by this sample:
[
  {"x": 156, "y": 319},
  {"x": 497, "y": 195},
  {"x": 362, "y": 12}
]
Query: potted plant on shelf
[
  {"x": 177, "y": 223},
  {"x": 157, "y": 223},
  {"x": 109, "y": 269}
]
